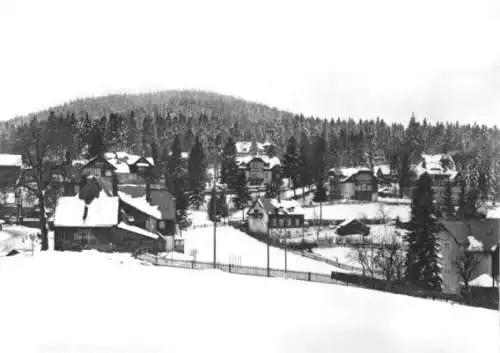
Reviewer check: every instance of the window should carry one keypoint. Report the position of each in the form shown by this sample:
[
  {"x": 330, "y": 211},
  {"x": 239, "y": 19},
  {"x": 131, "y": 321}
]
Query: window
[
  {"x": 161, "y": 225},
  {"x": 297, "y": 222},
  {"x": 274, "y": 222},
  {"x": 289, "y": 221},
  {"x": 107, "y": 173},
  {"x": 282, "y": 222}
]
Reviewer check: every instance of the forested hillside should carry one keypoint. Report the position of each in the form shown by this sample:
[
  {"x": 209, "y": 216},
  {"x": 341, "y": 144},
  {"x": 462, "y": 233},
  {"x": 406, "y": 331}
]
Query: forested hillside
[{"x": 133, "y": 122}]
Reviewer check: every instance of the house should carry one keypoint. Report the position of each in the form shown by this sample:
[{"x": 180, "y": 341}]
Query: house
[
  {"x": 478, "y": 236},
  {"x": 355, "y": 183},
  {"x": 10, "y": 169},
  {"x": 127, "y": 166},
  {"x": 352, "y": 226},
  {"x": 260, "y": 170},
  {"x": 273, "y": 218},
  {"x": 99, "y": 219},
  {"x": 441, "y": 168}
]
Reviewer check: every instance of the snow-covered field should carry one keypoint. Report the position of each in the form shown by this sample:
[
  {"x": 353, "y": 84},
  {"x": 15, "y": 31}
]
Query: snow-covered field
[
  {"x": 372, "y": 210},
  {"x": 340, "y": 254},
  {"x": 94, "y": 302},
  {"x": 234, "y": 246},
  {"x": 17, "y": 237}
]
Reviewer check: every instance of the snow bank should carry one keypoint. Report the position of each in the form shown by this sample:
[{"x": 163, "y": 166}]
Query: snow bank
[{"x": 111, "y": 303}]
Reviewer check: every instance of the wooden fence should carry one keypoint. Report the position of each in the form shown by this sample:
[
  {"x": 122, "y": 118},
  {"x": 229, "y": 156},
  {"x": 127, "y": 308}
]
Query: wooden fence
[{"x": 348, "y": 280}]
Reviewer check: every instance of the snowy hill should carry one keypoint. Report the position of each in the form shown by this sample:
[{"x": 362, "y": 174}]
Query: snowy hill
[{"x": 94, "y": 302}]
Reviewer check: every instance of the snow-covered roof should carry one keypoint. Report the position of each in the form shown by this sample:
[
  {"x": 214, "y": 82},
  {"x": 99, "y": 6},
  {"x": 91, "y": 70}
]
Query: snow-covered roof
[
  {"x": 137, "y": 230},
  {"x": 484, "y": 280},
  {"x": 271, "y": 162},
  {"x": 166, "y": 209},
  {"x": 346, "y": 173},
  {"x": 474, "y": 244},
  {"x": 102, "y": 212},
  {"x": 493, "y": 213},
  {"x": 122, "y": 160},
  {"x": 11, "y": 160},
  {"x": 291, "y": 207},
  {"x": 433, "y": 165},
  {"x": 384, "y": 168}
]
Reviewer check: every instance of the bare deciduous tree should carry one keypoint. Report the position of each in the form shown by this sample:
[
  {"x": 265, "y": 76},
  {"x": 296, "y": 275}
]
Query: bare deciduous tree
[
  {"x": 365, "y": 257},
  {"x": 467, "y": 266},
  {"x": 391, "y": 260}
]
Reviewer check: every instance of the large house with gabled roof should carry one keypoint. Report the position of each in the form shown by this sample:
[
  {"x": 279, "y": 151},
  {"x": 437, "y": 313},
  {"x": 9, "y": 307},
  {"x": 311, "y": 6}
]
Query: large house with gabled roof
[
  {"x": 101, "y": 218},
  {"x": 269, "y": 216},
  {"x": 477, "y": 237}
]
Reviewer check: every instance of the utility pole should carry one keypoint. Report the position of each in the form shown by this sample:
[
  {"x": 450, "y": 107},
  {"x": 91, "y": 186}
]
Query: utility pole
[
  {"x": 214, "y": 208},
  {"x": 268, "y": 265}
]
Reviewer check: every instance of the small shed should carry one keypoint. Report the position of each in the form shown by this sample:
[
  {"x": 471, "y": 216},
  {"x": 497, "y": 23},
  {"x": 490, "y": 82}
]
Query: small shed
[{"x": 352, "y": 226}]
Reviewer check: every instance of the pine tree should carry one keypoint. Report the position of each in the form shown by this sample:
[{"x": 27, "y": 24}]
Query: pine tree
[
  {"x": 320, "y": 197},
  {"x": 291, "y": 163},
  {"x": 243, "y": 196},
  {"x": 271, "y": 191},
  {"x": 197, "y": 167},
  {"x": 229, "y": 168},
  {"x": 97, "y": 146},
  {"x": 405, "y": 174},
  {"x": 221, "y": 208},
  {"x": 422, "y": 262},
  {"x": 181, "y": 205},
  {"x": 448, "y": 202}
]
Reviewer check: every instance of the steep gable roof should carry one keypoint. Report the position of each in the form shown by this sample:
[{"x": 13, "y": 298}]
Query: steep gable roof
[
  {"x": 485, "y": 231},
  {"x": 102, "y": 211}
]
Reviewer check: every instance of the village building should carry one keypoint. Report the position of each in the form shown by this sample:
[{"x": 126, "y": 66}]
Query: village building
[
  {"x": 276, "y": 219},
  {"x": 442, "y": 170},
  {"x": 354, "y": 183},
  {"x": 128, "y": 167},
  {"x": 260, "y": 170},
  {"x": 352, "y": 227},
  {"x": 479, "y": 237},
  {"x": 10, "y": 169},
  {"x": 102, "y": 219}
]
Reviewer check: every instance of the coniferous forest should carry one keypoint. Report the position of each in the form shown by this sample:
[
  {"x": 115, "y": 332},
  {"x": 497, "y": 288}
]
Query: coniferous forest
[{"x": 138, "y": 122}]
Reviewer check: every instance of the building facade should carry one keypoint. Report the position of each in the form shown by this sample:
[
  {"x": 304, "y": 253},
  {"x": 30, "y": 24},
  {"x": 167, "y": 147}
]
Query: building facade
[
  {"x": 478, "y": 238},
  {"x": 270, "y": 217}
]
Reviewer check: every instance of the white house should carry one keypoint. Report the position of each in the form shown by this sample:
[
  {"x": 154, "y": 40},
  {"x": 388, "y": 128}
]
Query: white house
[
  {"x": 355, "y": 183},
  {"x": 260, "y": 169},
  {"x": 268, "y": 216},
  {"x": 479, "y": 237}
]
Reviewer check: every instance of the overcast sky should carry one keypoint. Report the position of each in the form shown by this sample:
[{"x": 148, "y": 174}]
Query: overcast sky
[{"x": 361, "y": 59}]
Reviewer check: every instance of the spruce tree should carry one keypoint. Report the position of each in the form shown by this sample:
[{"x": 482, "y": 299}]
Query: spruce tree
[
  {"x": 405, "y": 174},
  {"x": 291, "y": 164},
  {"x": 448, "y": 202},
  {"x": 243, "y": 196},
  {"x": 96, "y": 145},
  {"x": 229, "y": 168},
  {"x": 197, "y": 166},
  {"x": 422, "y": 261},
  {"x": 221, "y": 209},
  {"x": 181, "y": 205},
  {"x": 320, "y": 197}
]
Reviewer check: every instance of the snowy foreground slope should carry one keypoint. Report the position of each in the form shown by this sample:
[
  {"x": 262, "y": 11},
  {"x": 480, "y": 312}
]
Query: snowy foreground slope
[{"x": 91, "y": 302}]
